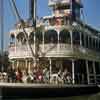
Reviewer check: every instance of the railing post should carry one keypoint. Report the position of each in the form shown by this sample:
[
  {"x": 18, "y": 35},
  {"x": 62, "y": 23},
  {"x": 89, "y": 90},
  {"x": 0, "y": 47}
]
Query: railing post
[
  {"x": 71, "y": 35},
  {"x": 94, "y": 72},
  {"x": 50, "y": 67},
  {"x": 73, "y": 71},
  {"x": 80, "y": 39},
  {"x": 43, "y": 40},
  {"x": 87, "y": 70}
]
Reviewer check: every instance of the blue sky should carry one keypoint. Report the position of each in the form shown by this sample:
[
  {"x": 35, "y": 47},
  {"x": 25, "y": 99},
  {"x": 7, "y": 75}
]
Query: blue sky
[{"x": 91, "y": 12}]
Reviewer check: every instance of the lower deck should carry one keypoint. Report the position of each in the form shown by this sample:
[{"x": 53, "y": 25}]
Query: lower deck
[
  {"x": 55, "y": 71},
  {"x": 19, "y": 90}
]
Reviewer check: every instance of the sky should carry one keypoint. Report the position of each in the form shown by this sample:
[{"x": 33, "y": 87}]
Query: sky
[{"x": 91, "y": 13}]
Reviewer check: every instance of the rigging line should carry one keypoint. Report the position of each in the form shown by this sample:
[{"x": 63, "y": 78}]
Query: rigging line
[
  {"x": 25, "y": 33},
  {"x": 15, "y": 9},
  {"x": 12, "y": 8},
  {"x": 83, "y": 15}
]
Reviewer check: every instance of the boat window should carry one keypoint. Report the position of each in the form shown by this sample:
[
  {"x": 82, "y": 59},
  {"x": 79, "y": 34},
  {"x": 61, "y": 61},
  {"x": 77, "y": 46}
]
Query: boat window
[
  {"x": 52, "y": 21},
  {"x": 31, "y": 38},
  {"x": 82, "y": 36},
  {"x": 94, "y": 43},
  {"x": 76, "y": 37},
  {"x": 12, "y": 39},
  {"x": 50, "y": 36},
  {"x": 39, "y": 36},
  {"x": 99, "y": 44},
  {"x": 21, "y": 38},
  {"x": 97, "y": 67},
  {"x": 80, "y": 72},
  {"x": 90, "y": 42},
  {"x": 87, "y": 41},
  {"x": 90, "y": 65},
  {"x": 65, "y": 36}
]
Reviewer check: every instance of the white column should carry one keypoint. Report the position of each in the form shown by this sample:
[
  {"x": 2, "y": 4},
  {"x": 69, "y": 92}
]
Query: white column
[
  {"x": 87, "y": 70},
  {"x": 50, "y": 67},
  {"x": 43, "y": 40},
  {"x": 29, "y": 67},
  {"x": 34, "y": 43},
  {"x": 17, "y": 64},
  {"x": 58, "y": 47},
  {"x": 80, "y": 39},
  {"x": 71, "y": 36},
  {"x": 73, "y": 72},
  {"x": 94, "y": 71},
  {"x": 26, "y": 63},
  {"x": 15, "y": 45},
  {"x": 13, "y": 64}
]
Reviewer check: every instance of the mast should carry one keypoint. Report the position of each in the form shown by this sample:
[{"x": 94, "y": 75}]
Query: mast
[
  {"x": 32, "y": 12},
  {"x": 33, "y": 15},
  {"x": 2, "y": 25},
  {"x": 2, "y": 32}
]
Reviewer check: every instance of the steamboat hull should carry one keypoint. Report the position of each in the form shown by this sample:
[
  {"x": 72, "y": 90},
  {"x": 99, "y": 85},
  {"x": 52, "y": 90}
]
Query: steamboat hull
[{"x": 11, "y": 91}]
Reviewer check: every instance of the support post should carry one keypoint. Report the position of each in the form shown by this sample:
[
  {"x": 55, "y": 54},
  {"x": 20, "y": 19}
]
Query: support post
[
  {"x": 43, "y": 40},
  {"x": 29, "y": 67},
  {"x": 71, "y": 35},
  {"x": 26, "y": 63},
  {"x": 17, "y": 64},
  {"x": 87, "y": 70},
  {"x": 73, "y": 71},
  {"x": 50, "y": 68},
  {"x": 58, "y": 42},
  {"x": 80, "y": 39},
  {"x": 13, "y": 64},
  {"x": 94, "y": 72}
]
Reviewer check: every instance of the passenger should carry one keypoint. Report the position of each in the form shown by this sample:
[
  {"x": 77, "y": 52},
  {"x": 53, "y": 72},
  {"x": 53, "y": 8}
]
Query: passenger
[
  {"x": 39, "y": 75},
  {"x": 24, "y": 77},
  {"x": 19, "y": 75},
  {"x": 66, "y": 76},
  {"x": 45, "y": 75},
  {"x": 30, "y": 78}
]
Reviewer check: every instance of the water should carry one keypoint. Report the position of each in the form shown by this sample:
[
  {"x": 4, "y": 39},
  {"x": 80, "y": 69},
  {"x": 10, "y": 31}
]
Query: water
[{"x": 87, "y": 97}]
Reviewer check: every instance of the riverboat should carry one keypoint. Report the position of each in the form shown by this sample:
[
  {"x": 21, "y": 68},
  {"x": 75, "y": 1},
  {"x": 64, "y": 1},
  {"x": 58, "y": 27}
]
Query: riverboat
[{"x": 59, "y": 55}]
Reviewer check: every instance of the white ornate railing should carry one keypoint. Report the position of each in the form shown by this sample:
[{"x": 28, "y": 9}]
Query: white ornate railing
[
  {"x": 58, "y": 50},
  {"x": 52, "y": 2}
]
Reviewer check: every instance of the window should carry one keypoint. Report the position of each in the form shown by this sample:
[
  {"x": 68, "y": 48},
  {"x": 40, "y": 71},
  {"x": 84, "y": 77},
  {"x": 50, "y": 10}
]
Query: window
[
  {"x": 87, "y": 42},
  {"x": 82, "y": 36},
  {"x": 21, "y": 38},
  {"x": 50, "y": 36},
  {"x": 31, "y": 38},
  {"x": 65, "y": 36},
  {"x": 76, "y": 37},
  {"x": 12, "y": 39}
]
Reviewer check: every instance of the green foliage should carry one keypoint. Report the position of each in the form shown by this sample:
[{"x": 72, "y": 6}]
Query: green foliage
[{"x": 4, "y": 61}]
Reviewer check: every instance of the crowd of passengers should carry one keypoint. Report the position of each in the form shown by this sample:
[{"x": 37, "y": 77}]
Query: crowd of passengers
[{"x": 37, "y": 75}]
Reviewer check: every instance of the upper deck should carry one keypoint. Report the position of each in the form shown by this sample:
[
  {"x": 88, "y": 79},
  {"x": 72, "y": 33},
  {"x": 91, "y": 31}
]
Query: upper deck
[{"x": 63, "y": 2}]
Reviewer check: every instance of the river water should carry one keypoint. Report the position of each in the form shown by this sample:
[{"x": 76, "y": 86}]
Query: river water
[{"x": 86, "y": 97}]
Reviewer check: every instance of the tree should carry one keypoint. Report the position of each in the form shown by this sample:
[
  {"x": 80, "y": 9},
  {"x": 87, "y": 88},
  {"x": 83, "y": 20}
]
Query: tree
[{"x": 4, "y": 61}]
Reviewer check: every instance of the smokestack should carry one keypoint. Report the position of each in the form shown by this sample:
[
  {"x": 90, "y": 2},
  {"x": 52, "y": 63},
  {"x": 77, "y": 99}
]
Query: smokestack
[{"x": 32, "y": 8}]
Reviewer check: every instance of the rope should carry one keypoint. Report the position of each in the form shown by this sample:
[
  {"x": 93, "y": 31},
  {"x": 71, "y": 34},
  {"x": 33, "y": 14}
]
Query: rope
[{"x": 17, "y": 15}]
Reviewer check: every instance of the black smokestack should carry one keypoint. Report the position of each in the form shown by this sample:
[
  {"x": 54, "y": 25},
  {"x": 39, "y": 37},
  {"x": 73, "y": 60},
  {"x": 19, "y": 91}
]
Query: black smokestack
[{"x": 32, "y": 7}]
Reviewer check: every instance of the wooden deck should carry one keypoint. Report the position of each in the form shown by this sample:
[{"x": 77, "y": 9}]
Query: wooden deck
[{"x": 36, "y": 85}]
